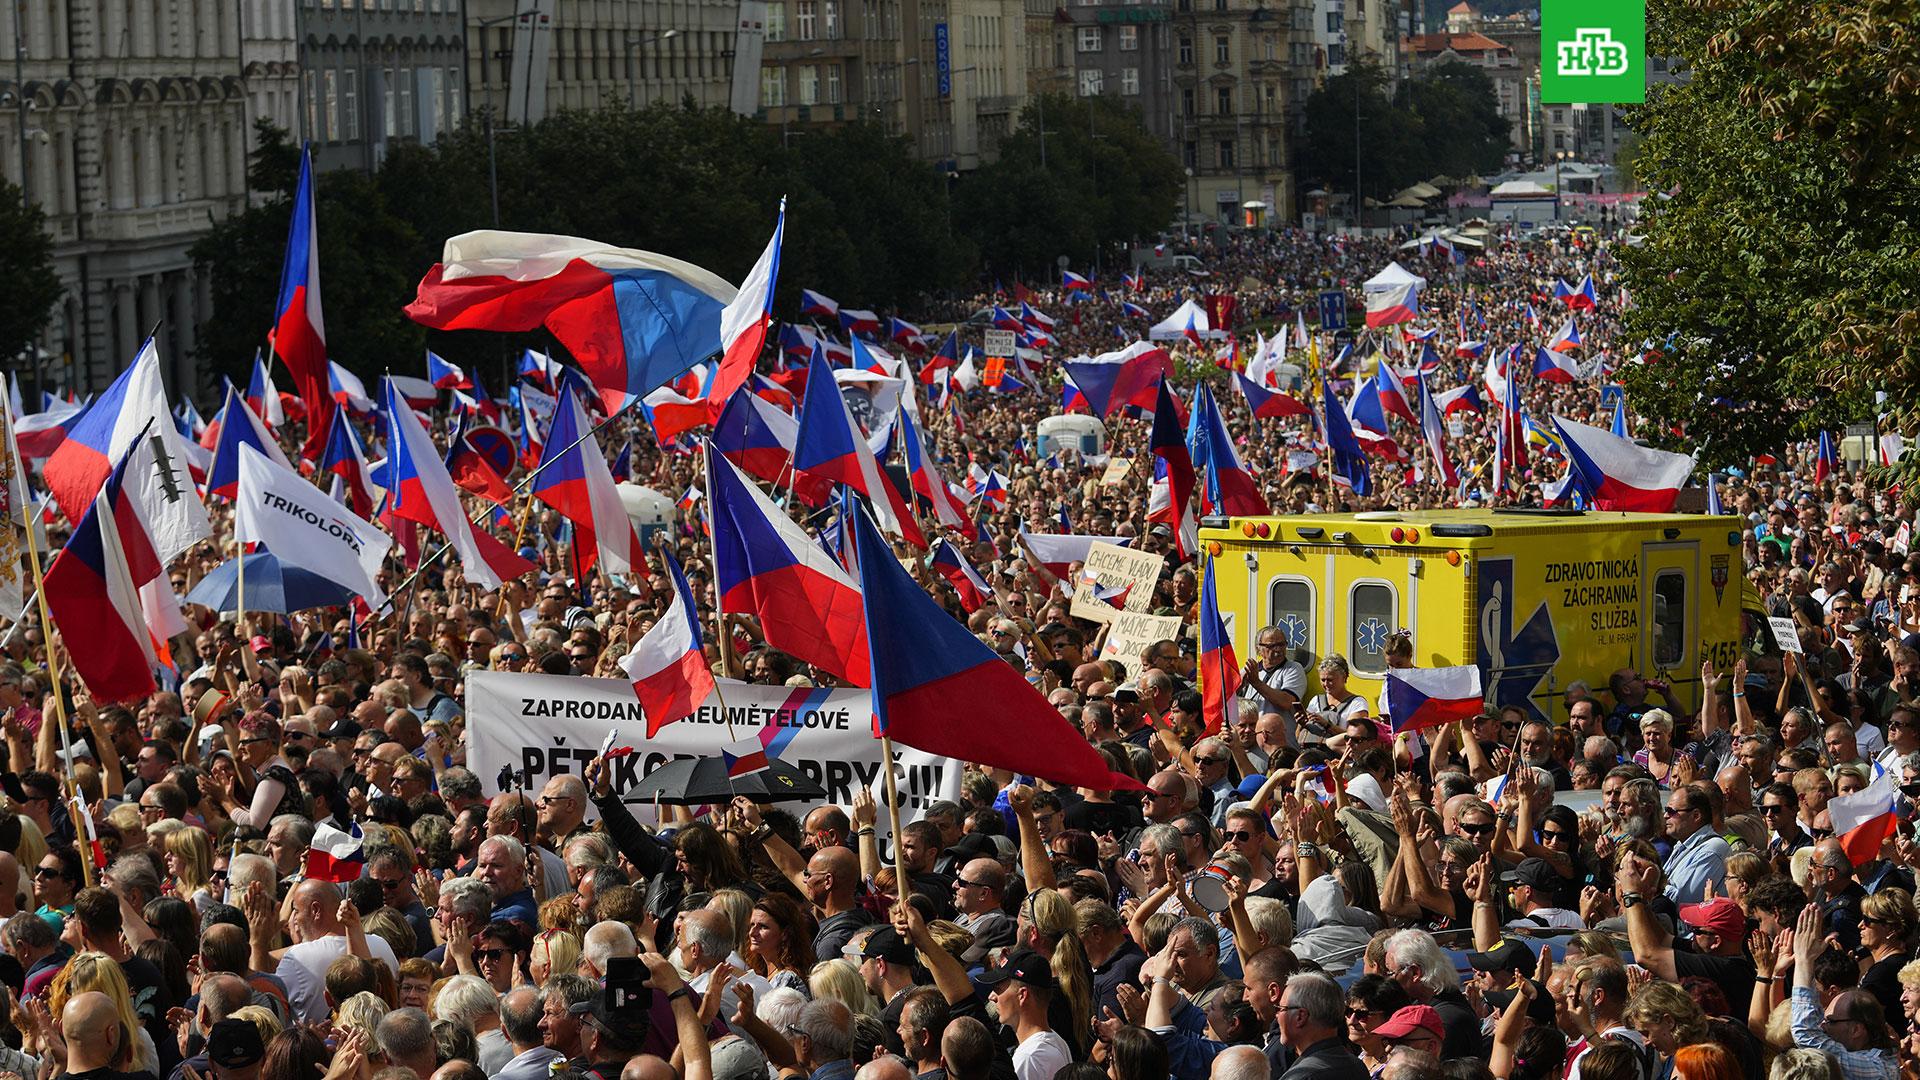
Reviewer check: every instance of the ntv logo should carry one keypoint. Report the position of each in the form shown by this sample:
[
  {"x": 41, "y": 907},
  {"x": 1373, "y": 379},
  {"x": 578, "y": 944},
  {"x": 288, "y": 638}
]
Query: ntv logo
[{"x": 1592, "y": 52}]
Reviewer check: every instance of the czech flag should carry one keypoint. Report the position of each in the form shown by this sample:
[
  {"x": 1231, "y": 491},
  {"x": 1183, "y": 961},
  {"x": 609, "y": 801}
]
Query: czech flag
[
  {"x": 1269, "y": 404},
  {"x": 1825, "y": 462},
  {"x": 1218, "y": 669},
  {"x": 239, "y": 427},
  {"x": 1433, "y": 431},
  {"x": 262, "y": 397},
  {"x": 93, "y": 593},
  {"x": 573, "y": 478},
  {"x": 347, "y": 461},
  {"x": 632, "y": 319},
  {"x": 1129, "y": 376},
  {"x": 1136, "y": 280},
  {"x": 1349, "y": 458},
  {"x": 299, "y": 333},
  {"x": 1003, "y": 319},
  {"x": 336, "y": 855},
  {"x": 820, "y": 304},
  {"x": 1428, "y": 697},
  {"x": 856, "y": 321},
  {"x": 1555, "y": 367},
  {"x": 1134, "y": 311},
  {"x": 1169, "y": 447},
  {"x": 829, "y": 445},
  {"x": 668, "y": 665},
  {"x": 1392, "y": 392},
  {"x": 1864, "y": 820},
  {"x": 950, "y": 564},
  {"x": 1459, "y": 399},
  {"x": 1470, "y": 350},
  {"x": 422, "y": 492},
  {"x": 1584, "y": 298},
  {"x": 927, "y": 479},
  {"x": 1072, "y": 281},
  {"x": 1562, "y": 291},
  {"x": 745, "y": 757},
  {"x": 1056, "y": 553},
  {"x": 672, "y": 414},
  {"x": 540, "y": 369},
  {"x": 937, "y": 689},
  {"x": 1229, "y": 487},
  {"x": 1071, "y": 399},
  {"x": 1399, "y": 304},
  {"x": 768, "y": 567},
  {"x": 1567, "y": 337},
  {"x": 1617, "y": 474},
  {"x": 902, "y": 332},
  {"x": 446, "y": 376},
  {"x": 745, "y": 319}
]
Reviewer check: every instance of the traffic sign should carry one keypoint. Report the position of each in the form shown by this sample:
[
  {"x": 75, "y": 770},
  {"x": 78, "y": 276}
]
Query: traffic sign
[
  {"x": 1333, "y": 310},
  {"x": 1000, "y": 343}
]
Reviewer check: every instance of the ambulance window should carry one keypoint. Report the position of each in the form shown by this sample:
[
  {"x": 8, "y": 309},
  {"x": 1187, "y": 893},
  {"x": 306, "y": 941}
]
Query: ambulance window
[
  {"x": 1290, "y": 607},
  {"x": 1669, "y": 617},
  {"x": 1370, "y": 624}
]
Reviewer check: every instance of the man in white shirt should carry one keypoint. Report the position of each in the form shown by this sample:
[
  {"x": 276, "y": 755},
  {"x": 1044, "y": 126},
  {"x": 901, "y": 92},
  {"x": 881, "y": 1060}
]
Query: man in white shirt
[
  {"x": 1022, "y": 987},
  {"x": 319, "y": 940},
  {"x": 1535, "y": 886},
  {"x": 706, "y": 942}
]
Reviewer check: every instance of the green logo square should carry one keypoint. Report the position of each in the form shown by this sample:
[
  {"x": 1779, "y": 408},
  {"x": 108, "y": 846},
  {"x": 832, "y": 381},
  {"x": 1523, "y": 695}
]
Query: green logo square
[{"x": 1593, "y": 51}]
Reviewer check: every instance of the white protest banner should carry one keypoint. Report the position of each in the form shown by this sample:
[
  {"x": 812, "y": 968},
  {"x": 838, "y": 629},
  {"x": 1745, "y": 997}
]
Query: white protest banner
[
  {"x": 1785, "y": 635},
  {"x": 1117, "y": 470},
  {"x": 546, "y": 725},
  {"x": 1129, "y": 635},
  {"x": 1114, "y": 579},
  {"x": 304, "y": 527}
]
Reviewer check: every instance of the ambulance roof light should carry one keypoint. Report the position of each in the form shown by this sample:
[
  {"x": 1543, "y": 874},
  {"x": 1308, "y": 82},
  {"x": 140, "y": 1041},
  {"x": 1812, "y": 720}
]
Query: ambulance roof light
[{"x": 1457, "y": 531}]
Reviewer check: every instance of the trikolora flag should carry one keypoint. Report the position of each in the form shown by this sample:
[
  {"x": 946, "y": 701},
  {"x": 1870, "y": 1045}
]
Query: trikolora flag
[{"x": 303, "y": 527}]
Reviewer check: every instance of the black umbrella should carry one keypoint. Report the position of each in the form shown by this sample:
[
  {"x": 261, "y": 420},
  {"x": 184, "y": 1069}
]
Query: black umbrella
[{"x": 696, "y": 781}]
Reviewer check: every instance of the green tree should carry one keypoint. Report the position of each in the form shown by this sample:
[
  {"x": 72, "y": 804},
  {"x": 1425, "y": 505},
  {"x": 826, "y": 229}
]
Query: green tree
[
  {"x": 26, "y": 272},
  {"x": 1388, "y": 135},
  {"x": 1462, "y": 131},
  {"x": 1780, "y": 264},
  {"x": 1106, "y": 180}
]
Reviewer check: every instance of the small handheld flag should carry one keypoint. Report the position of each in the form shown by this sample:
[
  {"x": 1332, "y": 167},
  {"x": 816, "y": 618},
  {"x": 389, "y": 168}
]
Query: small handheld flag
[{"x": 1427, "y": 697}]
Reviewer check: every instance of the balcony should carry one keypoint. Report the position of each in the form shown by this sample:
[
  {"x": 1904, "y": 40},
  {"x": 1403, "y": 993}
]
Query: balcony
[{"x": 1134, "y": 13}]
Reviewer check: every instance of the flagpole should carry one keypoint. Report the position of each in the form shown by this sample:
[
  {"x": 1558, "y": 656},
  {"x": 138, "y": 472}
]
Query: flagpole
[
  {"x": 713, "y": 579},
  {"x": 902, "y": 886}
]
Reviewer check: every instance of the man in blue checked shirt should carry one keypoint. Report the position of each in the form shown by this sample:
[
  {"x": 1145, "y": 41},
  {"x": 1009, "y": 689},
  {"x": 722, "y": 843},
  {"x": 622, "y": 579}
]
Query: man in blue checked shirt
[{"x": 1852, "y": 1028}]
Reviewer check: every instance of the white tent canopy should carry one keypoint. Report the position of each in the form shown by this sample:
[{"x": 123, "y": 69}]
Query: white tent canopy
[
  {"x": 1519, "y": 189},
  {"x": 1452, "y": 236},
  {"x": 1174, "y": 326},
  {"x": 1393, "y": 277}
]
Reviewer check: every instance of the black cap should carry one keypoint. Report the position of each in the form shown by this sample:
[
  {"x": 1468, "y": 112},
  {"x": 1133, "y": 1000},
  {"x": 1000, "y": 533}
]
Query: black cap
[
  {"x": 887, "y": 944},
  {"x": 1539, "y": 1010},
  {"x": 1535, "y": 872},
  {"x": 1509, "y": 955},
  {"x": 1025, "y": 965},
  {"x": 628, "y": 1027},
  {"x": 234, "y": 1044},
  {"x": 342, "y": 729},
  {"x": 975, "y": 846}
]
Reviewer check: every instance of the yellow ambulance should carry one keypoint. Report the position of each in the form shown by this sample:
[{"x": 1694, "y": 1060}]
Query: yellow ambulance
[{"x": 1535, "y": 598}]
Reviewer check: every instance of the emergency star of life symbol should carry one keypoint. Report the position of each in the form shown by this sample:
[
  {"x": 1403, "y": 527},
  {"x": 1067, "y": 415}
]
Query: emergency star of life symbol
[
  {"x": 1593, "y": 51},
  {"x": 1296, "y": 628},
  {"x": 1373, "y": 635}
]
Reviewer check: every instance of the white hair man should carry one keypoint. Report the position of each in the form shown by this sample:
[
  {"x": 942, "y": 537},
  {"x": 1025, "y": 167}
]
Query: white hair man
[{"x": 1421, "y": 967}]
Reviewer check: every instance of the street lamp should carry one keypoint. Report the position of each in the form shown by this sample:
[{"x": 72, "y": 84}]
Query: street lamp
[
  {"x": 641, "y": 39},
  {"x": 1186, "y": 222}
]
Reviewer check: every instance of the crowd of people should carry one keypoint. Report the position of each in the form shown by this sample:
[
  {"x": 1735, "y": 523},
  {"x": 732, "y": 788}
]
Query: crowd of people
[{"x": 1299, "y": 894}]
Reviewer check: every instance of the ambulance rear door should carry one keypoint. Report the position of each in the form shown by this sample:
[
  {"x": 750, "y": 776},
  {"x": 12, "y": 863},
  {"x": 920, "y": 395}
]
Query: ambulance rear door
[{"x": 1670, "y": 610}]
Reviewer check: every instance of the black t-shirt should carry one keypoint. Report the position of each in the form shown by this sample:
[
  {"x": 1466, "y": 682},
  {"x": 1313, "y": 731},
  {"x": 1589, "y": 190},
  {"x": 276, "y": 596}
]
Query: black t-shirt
[
  {"x": 109, "y": 1074},
  {"x": 1108, "y": 817},
  {"x": 1883, "y": 981},
  {"x": 1732, "y": 974},
  {"x": 150, "y": 1003}
]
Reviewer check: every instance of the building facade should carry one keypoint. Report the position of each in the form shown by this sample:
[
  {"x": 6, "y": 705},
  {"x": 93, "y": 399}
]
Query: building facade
[
  {"x": 604, "y": 52},
  {"x": 1516, "y": 89},
  {"x": 134, "y": 142},
  {"x": 1126, "y": 51},
  {"x": 965, "y": 77},
  {"x": 832, "y": 62},
  {"x": 1233, "y": 85},
  {"x": 376, "y": 72}
]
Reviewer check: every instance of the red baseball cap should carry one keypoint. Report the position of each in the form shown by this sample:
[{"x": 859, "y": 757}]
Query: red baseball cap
[
  {"x": 1718, "y": 915},
  {"x": 261, "y": 643},
  {"x": 1412, "y": 1018}
]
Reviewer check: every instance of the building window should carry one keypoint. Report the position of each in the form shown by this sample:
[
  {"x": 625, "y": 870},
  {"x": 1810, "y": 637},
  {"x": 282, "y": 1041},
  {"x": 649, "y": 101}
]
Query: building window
[
  {"x": 1222, "y": 49},
  {"x": 1088, "y": 39},
  {"x": 831, "y": 23},
  {"x": 1336, "y": 22},
  {"x": 1559, "y": 116},
  {"x": 1186, "y": 101},
  {"x": 803, "y": 20},
  {"x": 777, "y": 21},
  {"x": 389, "y": 95},
  {"x": 313, "y": 107},
  {"x": 1223, "y": 101},
  {"x": 809, "y": 84},
  {"x": 407, "y": 125},
  {"x": 1186, "y": 51},
  {"x": 1129, "y": 38},
  {"x": 1219, "y": 5},
  {"x": 1190, "y": 153},
  {"x": 1130, "y": 81},
  {"x": 1183, "y": 5},
  {"x": 454, "y": 98},
  {"x": 439, "y": 80},
  {"x": 350, "y": 104},
  {"x": 833, "y": 84},
  {"x": 1273, "y": 153},
  {"x": 329, "y": 105},
  {"x": 773, "y": 87},
  {"x": 1336, "y": 55},
  {"x": 1226, "y": 153},
  {"x": 1091, "y": 82},
  {"x": 1273, "y": 52}
]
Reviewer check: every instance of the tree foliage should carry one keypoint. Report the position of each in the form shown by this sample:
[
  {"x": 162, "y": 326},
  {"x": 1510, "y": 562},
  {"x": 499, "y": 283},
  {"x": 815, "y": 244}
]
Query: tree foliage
[
  {"x": 1106, "y": 180},
  {"x": 1780, "y": 267},
  {"x": 1445, "y": 121},
  {"x": 27, "y": 277}
]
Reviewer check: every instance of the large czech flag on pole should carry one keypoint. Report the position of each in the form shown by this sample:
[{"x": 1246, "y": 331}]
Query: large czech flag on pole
[
  {"x": 936, "y": 688},
  {"x": 831, "y": 446},
  {"x": 1397, "y": 304},
  {"x": 93, "y": 594},
  {"x": 1218, "y": 668},
  {"x": 1619, "y": 474},
  {"x": 744, "y": 321},
  {"x": 668, "y": 665},
  {"x": 422, "y": 492},
  {"x": 768, "y": 567},
  {"x": 632, "y": 319},
  {"x": 239, "y": 427},
  {"x": 573, "y": 478},
  {"x": 1169, "y": 447},
  {"x": 1129, "y": 376},
  {"x": 299, "y": 333},
  {"x": 1428, "y": 697}
]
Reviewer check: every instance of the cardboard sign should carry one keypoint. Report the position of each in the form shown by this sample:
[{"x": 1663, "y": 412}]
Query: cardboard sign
[
  {"x": 1117, "y": 471},
  {"x": 1129, "y": 635},
  {"x": 1785, "y": 635},
  {"x": 1114, "y": 579},
  {"x": 999, "y": 343}
]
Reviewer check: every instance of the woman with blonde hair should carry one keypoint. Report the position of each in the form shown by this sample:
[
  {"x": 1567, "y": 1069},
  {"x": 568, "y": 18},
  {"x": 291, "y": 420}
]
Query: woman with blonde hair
[
  {"x": 1744, "y": 871},
  {"x": 260, "y": 1017},
  {"x": 555, "y": 952},
  {"x": 1049, "y": 925},
  {"x": 361, "y": 1012},
  {"x": 840, "y": 980},
  {"x": 189, "y": 856},
  {"x": 89, "y": 971},
  {"x": 737, "y": 906},
  {"x": 1887, "y": 924}
]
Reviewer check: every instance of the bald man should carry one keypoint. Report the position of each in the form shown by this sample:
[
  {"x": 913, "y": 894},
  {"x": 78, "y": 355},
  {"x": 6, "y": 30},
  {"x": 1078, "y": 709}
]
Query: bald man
[
  {"x": 978, "y": 895},
  {"x": 314, "y": 925},
  {"x": 833, "y": 876},
  {"x": 91, "y": 1025},
  {"x": 563, "y": 810}
]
